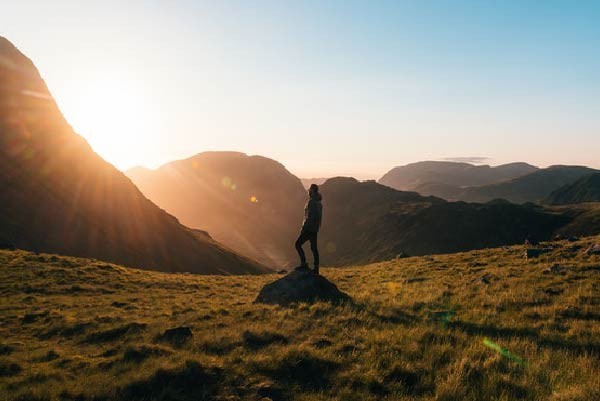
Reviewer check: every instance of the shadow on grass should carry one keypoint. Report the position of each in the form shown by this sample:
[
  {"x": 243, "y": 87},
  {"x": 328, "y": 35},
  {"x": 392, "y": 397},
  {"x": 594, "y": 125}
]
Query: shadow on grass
[
  {"x": 392, "y": 316},
  {"x": 301, "y": 368},
  {"x": 191, "y": 381},
  {"x": 8, "y": 369},
  {"x": 575, "y": 313},
  {"x": 531, "y": 334},
  {"x": 257, "y": 340},
  {"x": 115, "y": 333}
]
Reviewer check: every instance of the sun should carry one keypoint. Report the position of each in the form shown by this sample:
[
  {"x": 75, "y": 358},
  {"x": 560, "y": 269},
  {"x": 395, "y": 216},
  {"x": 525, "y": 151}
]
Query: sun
[{"x": 112, "y": 112}]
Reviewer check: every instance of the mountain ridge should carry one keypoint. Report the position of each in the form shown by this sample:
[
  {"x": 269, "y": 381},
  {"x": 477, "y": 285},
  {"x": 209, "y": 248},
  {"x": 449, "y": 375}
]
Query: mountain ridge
[
  {"x": 368, "y": 222},
  {"x": 585, "y": 189},
  {"x": 60, "y": 196},
  {"x": 516, "y": 182},
  {"x": 457, "y": 174},
  {"x": 251, "y": 203},
  {"x": 532, "y": 187}
]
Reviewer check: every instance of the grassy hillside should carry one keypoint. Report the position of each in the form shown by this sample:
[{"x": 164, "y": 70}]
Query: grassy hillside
[
  {"x": 482, "y": 325},
  {"x": 585, "y": 219}
]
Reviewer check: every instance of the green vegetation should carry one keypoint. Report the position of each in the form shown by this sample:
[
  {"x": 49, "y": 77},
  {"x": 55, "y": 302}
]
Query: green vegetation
[{"x": 481, "y": 325}]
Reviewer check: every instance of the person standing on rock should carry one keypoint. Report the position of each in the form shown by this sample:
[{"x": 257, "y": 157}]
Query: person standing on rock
[{"x": 313, "y": 214}]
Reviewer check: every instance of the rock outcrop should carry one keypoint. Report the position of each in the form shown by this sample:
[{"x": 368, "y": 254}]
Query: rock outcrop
[{"x": 301, "y": 286}]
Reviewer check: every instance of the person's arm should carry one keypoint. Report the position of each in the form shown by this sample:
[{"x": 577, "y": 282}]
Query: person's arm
[
  {"x": 312, "y": 219},
  {"x": 319, "y": 215}
]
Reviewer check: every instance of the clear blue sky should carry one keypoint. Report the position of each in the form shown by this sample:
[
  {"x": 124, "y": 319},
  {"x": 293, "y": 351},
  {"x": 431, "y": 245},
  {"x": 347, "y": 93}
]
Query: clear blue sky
[{"x": 326, "y": 87}]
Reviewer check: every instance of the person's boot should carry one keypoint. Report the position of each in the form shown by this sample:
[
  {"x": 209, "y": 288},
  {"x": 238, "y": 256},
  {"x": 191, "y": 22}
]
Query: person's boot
[
  {"x": 316, "y": 270},
  {"x": 302, "y": 267}
]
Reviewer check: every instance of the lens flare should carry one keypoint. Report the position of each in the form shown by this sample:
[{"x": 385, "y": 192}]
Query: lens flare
[
  {"x": 502, "y": 351},
  {"x": 227, "y": 182}
]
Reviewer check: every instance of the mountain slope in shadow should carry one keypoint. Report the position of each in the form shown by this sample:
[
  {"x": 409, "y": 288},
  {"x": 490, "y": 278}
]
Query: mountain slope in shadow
[
  {"x": 534, "y": 187},
  {"x": 366, "y": 222},
  {"x": 250, "y": 203},
  {"x": 585, "y": 189},
  {"x": 59, "y": 196}
]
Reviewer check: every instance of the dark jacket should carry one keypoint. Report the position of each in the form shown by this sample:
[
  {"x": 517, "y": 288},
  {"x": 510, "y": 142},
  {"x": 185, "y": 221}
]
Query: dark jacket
[{"x": 313, "y": 214}]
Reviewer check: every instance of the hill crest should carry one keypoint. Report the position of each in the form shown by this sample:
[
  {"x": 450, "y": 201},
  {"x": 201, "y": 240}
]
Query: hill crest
[{"x": 60, "y": 196}]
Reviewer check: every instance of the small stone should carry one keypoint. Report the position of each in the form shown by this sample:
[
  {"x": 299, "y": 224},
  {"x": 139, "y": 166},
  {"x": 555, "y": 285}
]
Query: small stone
[
  {"x": 177, "y": 335},
  {"x": 554, "y": 269},
  {"x": 593, "y": 250}
]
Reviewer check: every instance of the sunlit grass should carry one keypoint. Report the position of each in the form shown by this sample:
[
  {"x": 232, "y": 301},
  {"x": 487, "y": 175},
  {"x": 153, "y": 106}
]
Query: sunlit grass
[{"x": 482, "y": 325}]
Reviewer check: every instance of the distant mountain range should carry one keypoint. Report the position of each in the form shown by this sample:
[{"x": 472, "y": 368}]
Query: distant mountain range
[
  {"x": 250, "y": 203},
  {"x": 533, "y": 187},
  {"x": 585, "y": 189},
  {"x": 307, "y": 182},
  {"x": 415, "y": 176},
  {"x": 515, "y": 182},
  {"x": 59, "y": 196},
  {"x": 366, "y": 222},
  {"x": 363, "y": 221}
]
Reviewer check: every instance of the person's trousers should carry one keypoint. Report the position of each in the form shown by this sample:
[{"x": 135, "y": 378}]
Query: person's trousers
[{"x": 308, "y": 236}]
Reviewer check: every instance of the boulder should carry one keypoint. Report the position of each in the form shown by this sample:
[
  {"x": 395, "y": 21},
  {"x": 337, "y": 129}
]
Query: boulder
[{"x": 301, "y": 286}]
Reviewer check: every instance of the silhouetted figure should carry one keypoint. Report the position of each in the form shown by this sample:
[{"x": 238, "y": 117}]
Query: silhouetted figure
[{"x": 313, "y": 214}]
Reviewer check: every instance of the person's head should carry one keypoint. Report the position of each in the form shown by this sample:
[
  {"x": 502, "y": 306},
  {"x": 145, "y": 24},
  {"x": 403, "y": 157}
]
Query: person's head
[{"x": 314, "y": 189}]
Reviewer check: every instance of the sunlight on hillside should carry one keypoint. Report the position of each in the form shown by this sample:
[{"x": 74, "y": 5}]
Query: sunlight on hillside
[
  {"x": 114, "y": 112},
  {"x": 299, "y": 201},
  {"x": 480, "y": 325}
]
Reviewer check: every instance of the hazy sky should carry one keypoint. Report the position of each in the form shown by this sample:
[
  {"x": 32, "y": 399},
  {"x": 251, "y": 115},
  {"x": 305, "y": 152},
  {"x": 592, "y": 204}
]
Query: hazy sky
[{"x": 325, "y": 87}]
